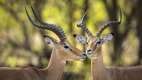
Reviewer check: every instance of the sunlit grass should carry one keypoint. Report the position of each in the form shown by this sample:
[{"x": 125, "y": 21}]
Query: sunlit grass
[
  {"x": 11, "y": 61},
  {"x": 57, "y": 12}
]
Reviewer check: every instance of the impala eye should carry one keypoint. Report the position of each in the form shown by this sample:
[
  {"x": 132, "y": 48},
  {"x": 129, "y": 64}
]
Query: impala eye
[
  {"x": 99, "y": 42},
  {"x": 66, "y": 47},
  {"x": 74, "y": 35}
]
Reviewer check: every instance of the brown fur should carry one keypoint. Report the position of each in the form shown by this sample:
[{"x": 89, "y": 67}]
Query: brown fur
[
  {"x": 18, "y": 74},
  {"x": 100, "y": 72},
  {"x": 54, "y": 71}
]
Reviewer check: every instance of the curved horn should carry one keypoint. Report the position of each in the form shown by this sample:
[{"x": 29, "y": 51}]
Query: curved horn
[
  {"x": 109, "y": 23},
  {"x": 82, "y": 25},
  {"x": 52, "y": 27}
]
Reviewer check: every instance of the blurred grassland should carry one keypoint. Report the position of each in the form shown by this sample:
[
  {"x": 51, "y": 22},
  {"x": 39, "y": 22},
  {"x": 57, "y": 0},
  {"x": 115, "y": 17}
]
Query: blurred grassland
[{"x": 21, "y": 44}]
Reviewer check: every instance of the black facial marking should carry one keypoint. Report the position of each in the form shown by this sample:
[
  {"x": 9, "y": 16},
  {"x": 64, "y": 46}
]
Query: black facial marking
[
  {"x": 44, "y": 36},
  {"x": 66, "y": 47},
  {"x": 112, "y": 33},
  {"x": 84, "y": 56},
  {"x": 98, "y": 42},
  {"x": 89, "y": 50},
  {"x": 74, "y": 35}
]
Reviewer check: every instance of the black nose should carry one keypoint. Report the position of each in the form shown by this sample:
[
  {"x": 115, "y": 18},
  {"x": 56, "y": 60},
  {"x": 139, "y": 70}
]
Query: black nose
[
  {"x": 84, "y": 56},
  {"x": 65, "y": 46},
  {"x": 89, "y": 50}
]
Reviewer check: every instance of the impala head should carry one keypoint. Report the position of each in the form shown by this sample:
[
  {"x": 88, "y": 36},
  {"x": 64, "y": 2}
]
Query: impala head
[
  {"x": 95, "y": 42},
  {"x": 62, "y": 48}
]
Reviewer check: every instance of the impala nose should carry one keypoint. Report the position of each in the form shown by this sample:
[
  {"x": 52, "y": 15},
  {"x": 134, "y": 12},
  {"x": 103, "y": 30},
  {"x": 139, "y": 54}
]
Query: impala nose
[
  {"x": 89, "y": 52},
  {"x": 84, "y": 56}
]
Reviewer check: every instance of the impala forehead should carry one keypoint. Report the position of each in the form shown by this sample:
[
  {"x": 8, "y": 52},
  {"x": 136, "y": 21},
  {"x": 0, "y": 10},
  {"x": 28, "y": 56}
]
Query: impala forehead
[{"x": 92, "y": 45}]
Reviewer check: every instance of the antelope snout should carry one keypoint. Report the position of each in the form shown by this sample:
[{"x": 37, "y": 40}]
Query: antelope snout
[
  {"x": 83, "y": 56},
  {"x": 89, "y": 53}
]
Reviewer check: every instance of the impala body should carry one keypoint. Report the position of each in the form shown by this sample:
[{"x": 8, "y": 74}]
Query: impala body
[
  {"x": 62, "y": 52},
  {"x": 20, "y": 74},
  {"x": 93, "y": 50},
  {"x": 126, "y": 73},
  {"x": 54, "y": 71},
  {"x": 101, "y": 72}
]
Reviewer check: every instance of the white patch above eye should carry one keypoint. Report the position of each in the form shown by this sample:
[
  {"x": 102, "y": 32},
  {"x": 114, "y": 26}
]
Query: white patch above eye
[{"x": 81, "y": 39}]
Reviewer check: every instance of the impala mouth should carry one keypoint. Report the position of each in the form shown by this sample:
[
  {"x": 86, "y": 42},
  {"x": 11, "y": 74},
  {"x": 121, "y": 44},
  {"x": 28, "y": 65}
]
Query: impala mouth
[{"x": 83, "y": 56}]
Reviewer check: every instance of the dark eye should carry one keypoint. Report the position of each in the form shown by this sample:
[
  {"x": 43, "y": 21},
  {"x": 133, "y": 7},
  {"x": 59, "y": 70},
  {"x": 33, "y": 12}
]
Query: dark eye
[
  {"x": 112, "y": 33},
  {"x": 99, "y": 42},
  {"x": 66, "y": 47},
  {"x": 74, "y": 35}
]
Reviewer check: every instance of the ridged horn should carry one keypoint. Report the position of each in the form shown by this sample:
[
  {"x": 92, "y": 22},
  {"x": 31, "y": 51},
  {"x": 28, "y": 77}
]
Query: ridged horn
[{"x": 52, "y": 27}]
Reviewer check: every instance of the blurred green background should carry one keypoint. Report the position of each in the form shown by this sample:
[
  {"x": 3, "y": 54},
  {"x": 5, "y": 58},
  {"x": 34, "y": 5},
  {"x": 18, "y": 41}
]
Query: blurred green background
[{"x": 22, "y": 45}]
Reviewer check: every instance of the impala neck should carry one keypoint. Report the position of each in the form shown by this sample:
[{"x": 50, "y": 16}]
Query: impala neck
[
  {"x": 55, "y": 67},
  {"x": 98, "y": 68}
]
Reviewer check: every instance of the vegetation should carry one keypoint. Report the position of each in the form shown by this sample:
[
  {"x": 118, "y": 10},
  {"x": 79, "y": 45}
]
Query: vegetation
[{"x": 22, "y": 45}]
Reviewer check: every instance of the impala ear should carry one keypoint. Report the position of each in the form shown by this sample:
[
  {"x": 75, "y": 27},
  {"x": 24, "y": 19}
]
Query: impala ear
[
  {"x": 50, "y": 41},
  {"x": 80, "y": 38},
  {"x": 107, "y": 38}
]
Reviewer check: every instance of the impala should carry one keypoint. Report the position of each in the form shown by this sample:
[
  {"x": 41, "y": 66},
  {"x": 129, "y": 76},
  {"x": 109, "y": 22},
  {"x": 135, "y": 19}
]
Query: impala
[
  {"x": 98, "y": 69},
  {"x": 61, "y": 53}
]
